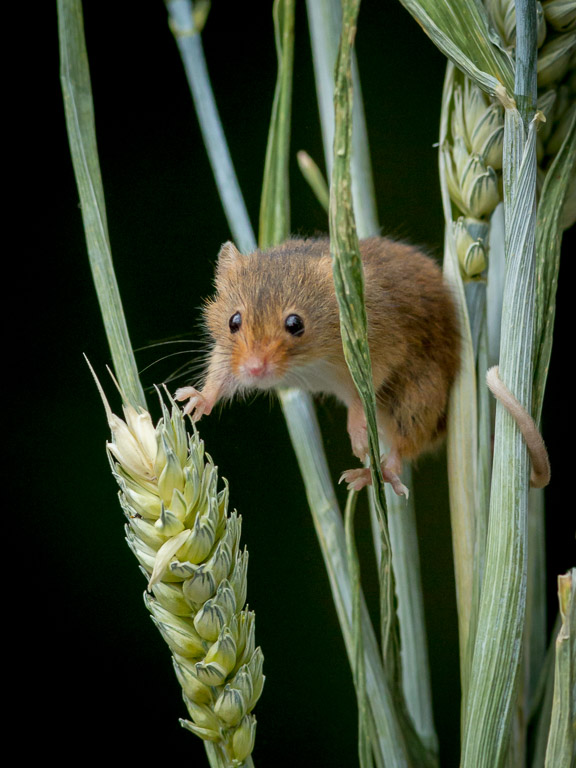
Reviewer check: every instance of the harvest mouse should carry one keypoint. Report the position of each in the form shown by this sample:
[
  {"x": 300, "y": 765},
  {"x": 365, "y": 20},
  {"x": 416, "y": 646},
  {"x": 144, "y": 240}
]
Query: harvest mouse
[{"x": 274, "y": 322}]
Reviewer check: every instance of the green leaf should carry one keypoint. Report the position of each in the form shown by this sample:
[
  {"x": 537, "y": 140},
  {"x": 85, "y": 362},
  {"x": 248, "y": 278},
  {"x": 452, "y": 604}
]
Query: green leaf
[
  {"x": 349, "y": 284},
  {"x": 548, "y": 245},
  {"x": 501, "y": 620},
  {"x": 560, "y": 749},
  {"x": 349, "y": 281},
  {"x": 461, "y": 30},
  {"x": 79, "y": 108},
  {"x": 315, "y": 179},
  {"x": 462, "y": 438},
  {"x": 275, "y": 200}
]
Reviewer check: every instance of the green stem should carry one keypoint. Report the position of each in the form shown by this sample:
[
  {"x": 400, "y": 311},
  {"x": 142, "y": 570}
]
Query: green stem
[
  {"x": 416, "y": 682},
  {"x": 191, "y": 51},
  {"x": 358, "y": 669},
  {"x": 325, "y": 23},
  {"x": 525, "y": 80},
  {"x": 306, "y": 439},
  {"x": 324, "y": 18}
]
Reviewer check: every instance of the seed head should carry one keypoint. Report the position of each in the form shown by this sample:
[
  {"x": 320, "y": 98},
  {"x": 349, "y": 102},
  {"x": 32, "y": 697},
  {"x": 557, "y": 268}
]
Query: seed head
[{"x": 188, "y": 546}]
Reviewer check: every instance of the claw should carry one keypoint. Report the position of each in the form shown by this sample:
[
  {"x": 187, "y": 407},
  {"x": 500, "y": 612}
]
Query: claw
[
  {"x": 397, "y": 485},
  {"x": 183, "y": 393},
  {"x": 197, "y": 404},
  {"x": 357, "y": 479}
]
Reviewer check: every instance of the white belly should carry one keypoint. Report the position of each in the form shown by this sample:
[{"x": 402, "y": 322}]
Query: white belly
[{"x": 322, "y": 377}]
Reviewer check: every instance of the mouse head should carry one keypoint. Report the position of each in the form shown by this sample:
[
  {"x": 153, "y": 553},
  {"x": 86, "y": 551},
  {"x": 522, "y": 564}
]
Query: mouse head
[{"x": 271, "y": 312}]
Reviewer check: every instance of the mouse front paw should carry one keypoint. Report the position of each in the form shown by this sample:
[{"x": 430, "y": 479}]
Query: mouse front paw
[{"x": 197, "y": 405}]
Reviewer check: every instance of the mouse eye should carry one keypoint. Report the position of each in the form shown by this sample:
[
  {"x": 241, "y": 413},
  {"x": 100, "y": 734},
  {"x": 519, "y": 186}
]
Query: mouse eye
[
  {"x": 294, "y": 325},
  {"x": 235, "y": 322}
]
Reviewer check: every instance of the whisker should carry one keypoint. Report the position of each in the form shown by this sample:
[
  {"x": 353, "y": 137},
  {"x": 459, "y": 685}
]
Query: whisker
[
  {"x": 187, "y": 370},
  {"x": 299, "y": 377},
  {"x": 179, "y": 374},
  {"x": 165, "y": 342},
  {"x": 272, "y": 395},
  {"x": 161, "y": 359}
]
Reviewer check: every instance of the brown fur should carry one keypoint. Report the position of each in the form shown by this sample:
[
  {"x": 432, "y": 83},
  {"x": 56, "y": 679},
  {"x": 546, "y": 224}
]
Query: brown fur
[{"x": 413, "y": 334}]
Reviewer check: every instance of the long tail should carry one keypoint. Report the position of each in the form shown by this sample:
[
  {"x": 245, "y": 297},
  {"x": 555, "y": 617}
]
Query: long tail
[{"x": 540, "y": 474}]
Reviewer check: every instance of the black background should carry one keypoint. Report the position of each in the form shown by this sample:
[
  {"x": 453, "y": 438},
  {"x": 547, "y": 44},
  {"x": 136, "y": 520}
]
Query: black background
[{"x": 101, "y": 680}]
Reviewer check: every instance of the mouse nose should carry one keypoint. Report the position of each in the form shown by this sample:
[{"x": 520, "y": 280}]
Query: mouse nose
[{"x": 255, "y": 366}]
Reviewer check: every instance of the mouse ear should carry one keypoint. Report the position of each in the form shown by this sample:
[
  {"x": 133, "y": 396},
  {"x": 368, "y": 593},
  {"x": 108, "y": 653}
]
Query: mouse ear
[{"x": 227, "y": 257}]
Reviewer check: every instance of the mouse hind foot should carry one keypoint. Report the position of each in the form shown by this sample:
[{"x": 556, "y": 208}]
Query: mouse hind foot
[{"x": 356, "y": 479}]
